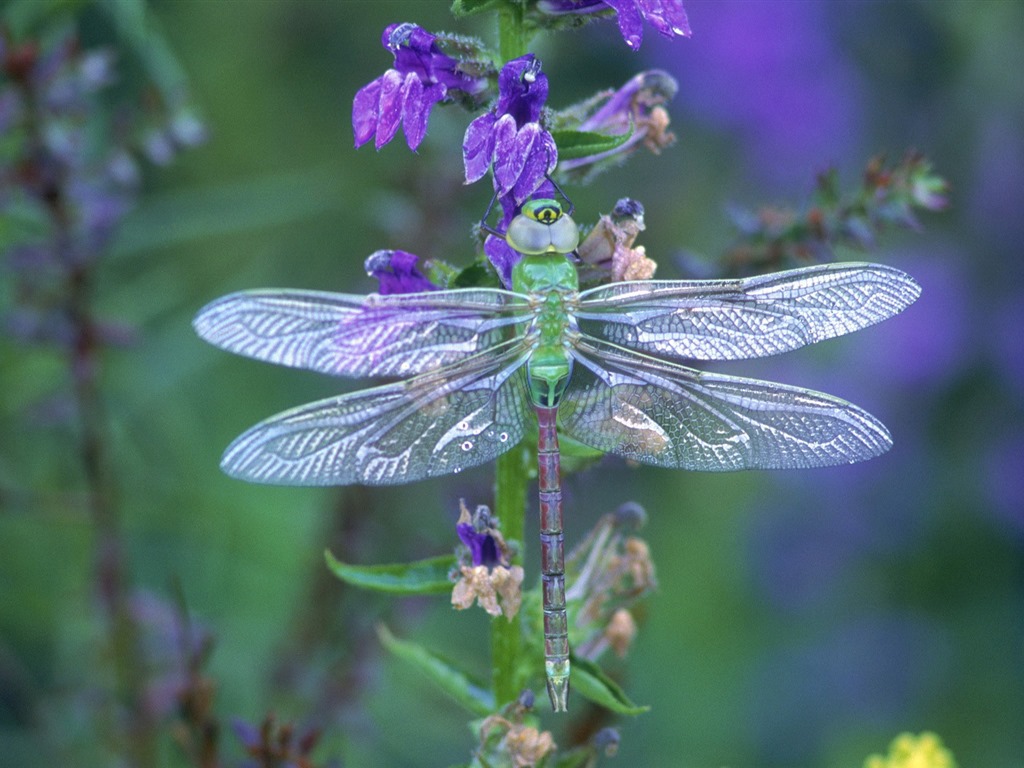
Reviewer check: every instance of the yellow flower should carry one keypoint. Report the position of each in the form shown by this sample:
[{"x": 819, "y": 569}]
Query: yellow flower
[{"x": 910, "y": 751}]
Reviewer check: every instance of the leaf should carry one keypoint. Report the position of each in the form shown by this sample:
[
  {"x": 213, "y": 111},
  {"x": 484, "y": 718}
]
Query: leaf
[
  {"x": 424, "y": 577},
  {"x": 592, "y": 683},
  {"x": 576, "y": 144},
  {"x": 476, "y": 275},
  {"x": 457, "y": 684},
  {"x": 469, "y": 7}
]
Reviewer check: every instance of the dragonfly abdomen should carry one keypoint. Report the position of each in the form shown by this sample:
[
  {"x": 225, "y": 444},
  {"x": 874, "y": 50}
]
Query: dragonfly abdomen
[{"x": 552, "y": 558}]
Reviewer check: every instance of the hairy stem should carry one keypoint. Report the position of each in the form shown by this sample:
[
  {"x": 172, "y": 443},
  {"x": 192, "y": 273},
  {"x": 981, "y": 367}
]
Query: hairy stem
[
  {"x": 510, "y": 507},
  {"x": 513, "y": 38}
]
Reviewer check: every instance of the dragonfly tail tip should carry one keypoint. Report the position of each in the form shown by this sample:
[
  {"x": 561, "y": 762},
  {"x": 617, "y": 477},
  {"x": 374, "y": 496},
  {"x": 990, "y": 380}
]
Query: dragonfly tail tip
[{"x": 558, "y": 692}]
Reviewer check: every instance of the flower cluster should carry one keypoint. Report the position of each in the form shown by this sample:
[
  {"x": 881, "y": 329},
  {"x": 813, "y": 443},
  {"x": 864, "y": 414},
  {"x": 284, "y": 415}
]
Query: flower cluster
[
  {"x": 423, "y": 76},
  {"x": 65, "y": 190},
  {"x": 515, "y": 139},
  {"x": 487, "y": 576},
  {"x": 610, "y": 570},
  {"x": 507, "y": 739},
  {"x": 772, "y": 238}
]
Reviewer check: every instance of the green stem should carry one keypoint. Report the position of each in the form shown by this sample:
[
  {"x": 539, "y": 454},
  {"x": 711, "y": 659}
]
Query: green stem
[
  {"x": 510, "y": 507},
  {"x": 513, "y": 38},
  {"x": 511, "y": 474}
]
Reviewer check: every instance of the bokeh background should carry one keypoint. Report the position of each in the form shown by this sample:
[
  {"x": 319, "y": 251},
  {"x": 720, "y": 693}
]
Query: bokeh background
[{"x": 802, "y": 619}]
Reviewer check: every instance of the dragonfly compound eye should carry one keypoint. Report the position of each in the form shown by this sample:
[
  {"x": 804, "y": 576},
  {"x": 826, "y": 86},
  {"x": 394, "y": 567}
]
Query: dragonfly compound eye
[
  {"x": 544, "y": 211},
  {"x": 542, "y": 227}
]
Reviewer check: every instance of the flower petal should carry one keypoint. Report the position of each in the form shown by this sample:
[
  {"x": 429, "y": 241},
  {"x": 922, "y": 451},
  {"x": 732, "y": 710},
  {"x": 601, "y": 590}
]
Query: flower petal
[
  {"x": 508, "y": 160},
  {"x": 503, "y": 256},
  {"x": 364, "y": 112},
  {"x": 397, "y": 272},
  {"x": 389, "y": 107},
  {"x": 541, "y": 159},
  {"x": 666, "y": 16},
  {"x": 478, "y": 147},
  {"x": 630, "y": 21},
  {"x": 416, "y": 106}
]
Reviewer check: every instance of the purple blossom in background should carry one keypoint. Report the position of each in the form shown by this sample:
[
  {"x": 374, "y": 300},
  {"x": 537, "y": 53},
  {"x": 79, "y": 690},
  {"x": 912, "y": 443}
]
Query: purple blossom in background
[
  {"x": 422, "y": 76},
  {"x": 510, "y": 137},
  {"x": 396, "y": 272},
  {"x": 775, "y": 75},
  {"x": 1004, "y": 482},
  {"x": 929, "y": 343},
  {"x": 666, "y": 16}
]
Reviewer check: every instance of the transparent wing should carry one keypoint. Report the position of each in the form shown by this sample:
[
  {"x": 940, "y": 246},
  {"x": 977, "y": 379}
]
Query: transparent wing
[
  {"x": 752, "y": 317},
  {"x": 349, "y": 335},
  {"x": 672, "y": 416},
  {"x": 433, "y": 424}
]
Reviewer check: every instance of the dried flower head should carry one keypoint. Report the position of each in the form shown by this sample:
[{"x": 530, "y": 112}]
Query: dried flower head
[
  {"x": 608, "y": 252},
  {"x": 636, "y": 110},
  {"x": 612, "y": 569},
  {"x": 488, "y": 579},
  {"x": 522, "y": 745},
  {"x": 621, "y": 631}
]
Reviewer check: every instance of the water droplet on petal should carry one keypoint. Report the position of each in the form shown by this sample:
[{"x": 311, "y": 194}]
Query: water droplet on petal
[
  {"x": 503, "y": 437},
  {"x": 464, "y": 425},
  {"x": 467, "y": 445}
]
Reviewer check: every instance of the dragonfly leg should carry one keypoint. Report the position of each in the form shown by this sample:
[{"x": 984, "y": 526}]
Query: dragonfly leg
[{"x": 552, "y": 553}]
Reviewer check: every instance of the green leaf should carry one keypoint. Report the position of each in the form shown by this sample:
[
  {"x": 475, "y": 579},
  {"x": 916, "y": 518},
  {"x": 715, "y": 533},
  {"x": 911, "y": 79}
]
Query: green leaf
[
  {"x": 424, "y": 577},
  {"x": 592, "y": 683},
  {"x": 476, "y": 275},
  {"x": 575, "y": 144},
  {"x": 457, "y": 684},
  {"x": 469, "y": 7}
]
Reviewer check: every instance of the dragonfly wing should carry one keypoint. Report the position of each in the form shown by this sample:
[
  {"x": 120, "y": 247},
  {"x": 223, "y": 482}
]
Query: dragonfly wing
[
  {"x": 751, "y": 317},
  {"x": 350, "y": 335},
  {"x": 432, "y": 424},
  {"x": 668, "y": 415}
]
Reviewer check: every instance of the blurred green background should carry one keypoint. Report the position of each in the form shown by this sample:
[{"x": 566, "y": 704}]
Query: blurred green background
[{"x": 803, "y": 619}]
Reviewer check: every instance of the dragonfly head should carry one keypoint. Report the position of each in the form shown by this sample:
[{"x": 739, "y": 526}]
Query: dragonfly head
[{"x": 543, "y": 227}]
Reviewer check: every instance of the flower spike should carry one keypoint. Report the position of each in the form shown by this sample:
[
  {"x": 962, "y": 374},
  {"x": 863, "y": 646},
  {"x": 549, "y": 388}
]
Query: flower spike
[
  {"x": 666, "y": 16},
  {"x": 423, "y": 75},
  {"x": 510, "y": 137}
]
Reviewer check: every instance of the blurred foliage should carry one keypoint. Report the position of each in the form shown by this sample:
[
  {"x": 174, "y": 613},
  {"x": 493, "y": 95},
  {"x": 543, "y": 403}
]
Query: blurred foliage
[{"x": 802, "y": 619}]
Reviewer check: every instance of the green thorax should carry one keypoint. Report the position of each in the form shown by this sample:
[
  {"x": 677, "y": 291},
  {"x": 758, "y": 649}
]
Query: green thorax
[{"x": 551, "y": 281}]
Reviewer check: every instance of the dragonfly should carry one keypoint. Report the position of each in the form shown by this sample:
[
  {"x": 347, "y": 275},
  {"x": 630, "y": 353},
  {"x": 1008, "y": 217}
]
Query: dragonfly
[{"x": 603, "y": 366}]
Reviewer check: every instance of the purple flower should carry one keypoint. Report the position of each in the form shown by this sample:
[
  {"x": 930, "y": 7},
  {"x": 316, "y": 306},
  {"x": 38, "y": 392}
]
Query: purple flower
[
  {"x": 510, "y": 137},
  {"x": 773, "y": 74},
  {"x": 422, "y": 76},
  {"x": 481, "y": 536},
  {"x": 396, "y": 272},
  {"x": 666, "y": 16},
  {"x": 635, "y": 109}
]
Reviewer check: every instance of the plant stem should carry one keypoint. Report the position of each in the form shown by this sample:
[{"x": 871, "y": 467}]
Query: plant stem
[
  {"x": 510, "y": 507},
  {"x": 513, "y": 38},
  {"x": 511, "y": 474}
]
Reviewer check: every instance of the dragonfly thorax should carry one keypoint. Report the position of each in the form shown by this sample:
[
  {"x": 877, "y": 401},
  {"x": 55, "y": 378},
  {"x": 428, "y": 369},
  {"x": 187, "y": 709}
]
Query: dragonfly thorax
[{"x": 551, "y": 283}]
